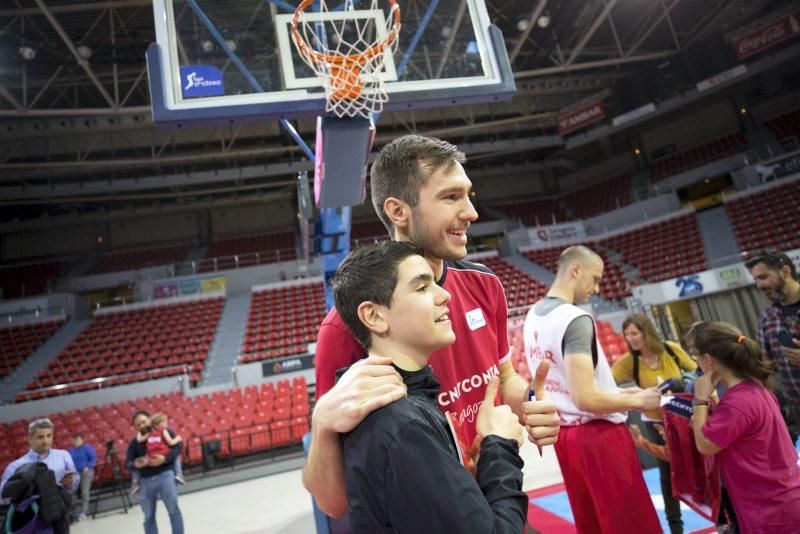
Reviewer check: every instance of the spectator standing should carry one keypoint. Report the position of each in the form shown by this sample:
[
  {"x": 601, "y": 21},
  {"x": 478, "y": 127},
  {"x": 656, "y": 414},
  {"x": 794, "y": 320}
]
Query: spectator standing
[
  {"x": 745, "y": 430},
  {"x": 156, "y": 477},
  {"x": 650, "y": 362},
  {"x": 40, "y": 437},
  {"x": 85, "y": 459},
  {"x": 779, "y": 323}
]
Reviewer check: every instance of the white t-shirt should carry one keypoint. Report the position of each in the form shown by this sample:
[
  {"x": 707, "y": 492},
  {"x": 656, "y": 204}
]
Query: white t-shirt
[{"x": 544, "y": 337}]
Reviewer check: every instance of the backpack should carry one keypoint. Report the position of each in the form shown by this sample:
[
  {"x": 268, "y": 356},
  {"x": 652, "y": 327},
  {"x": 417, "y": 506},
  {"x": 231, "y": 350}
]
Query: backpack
[
  {"x": 24, "y": 518},
  {"x": 680, "y": 383}
]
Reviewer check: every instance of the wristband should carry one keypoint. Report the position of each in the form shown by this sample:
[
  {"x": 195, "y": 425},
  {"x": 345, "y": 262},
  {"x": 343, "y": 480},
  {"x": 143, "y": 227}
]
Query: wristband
[{"x": 700, "y": 402}]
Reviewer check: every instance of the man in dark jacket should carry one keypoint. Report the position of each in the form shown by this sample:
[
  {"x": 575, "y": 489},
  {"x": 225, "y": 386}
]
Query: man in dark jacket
[
  {"x": 157, "y": 477},
  {"x": 403, "y": 472}
]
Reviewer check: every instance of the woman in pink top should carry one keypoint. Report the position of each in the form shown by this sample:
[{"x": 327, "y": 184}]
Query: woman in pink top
[{"x": 745, "y": 430}]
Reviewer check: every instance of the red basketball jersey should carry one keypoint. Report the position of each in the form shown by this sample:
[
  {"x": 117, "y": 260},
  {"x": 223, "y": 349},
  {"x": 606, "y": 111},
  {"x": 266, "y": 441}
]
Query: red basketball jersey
[{"x": 478, "y": 312}]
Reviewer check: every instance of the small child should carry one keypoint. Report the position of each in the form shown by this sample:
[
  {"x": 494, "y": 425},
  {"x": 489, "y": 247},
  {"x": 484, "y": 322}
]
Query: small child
[
  {"x": 159, "y": 442},
  {"x": 745, "y": 430}
]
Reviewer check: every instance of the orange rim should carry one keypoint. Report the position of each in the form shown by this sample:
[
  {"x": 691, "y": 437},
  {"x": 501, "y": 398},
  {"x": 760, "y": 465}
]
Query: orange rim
[{"x": 345, "y": 60}]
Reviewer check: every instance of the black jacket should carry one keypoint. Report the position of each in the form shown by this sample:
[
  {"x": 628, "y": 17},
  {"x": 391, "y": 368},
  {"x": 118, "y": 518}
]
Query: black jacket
[
  {"x": 137, "y": 450},
  {"x": 403, "y": 473},
  {"x": 36, "y": 478}
]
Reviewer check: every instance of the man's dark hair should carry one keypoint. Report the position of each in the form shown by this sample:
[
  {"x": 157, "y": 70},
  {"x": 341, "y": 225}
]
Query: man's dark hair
[
  {"x": 403, "y": 167},
  {"x": 77, "y": 435},
  {"x": 138, "y": 413},
  {"x": 368, "y": 274},
  {"x": 774, "y": 260}
]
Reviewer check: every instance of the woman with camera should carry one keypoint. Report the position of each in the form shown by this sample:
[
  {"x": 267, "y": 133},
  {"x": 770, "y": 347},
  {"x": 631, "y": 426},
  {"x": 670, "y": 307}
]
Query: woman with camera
[{"x": 652, "y": 362}]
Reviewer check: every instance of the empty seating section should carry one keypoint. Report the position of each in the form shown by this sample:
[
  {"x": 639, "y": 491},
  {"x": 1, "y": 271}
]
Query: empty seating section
[
  {"x": 138, "y": 259},
  {"x": 662, "y": 250},
  {"x": 245, "y": 421},
  {"x": 614, "y": 284},
  {"x": 767, "y": 218},
  {"x": 369, "y": 231},
  {"x": 533, "y": 212},
  {"x": 283, "y": 321},
  {"x": 613, "y": 344},
  {"x": 694, "y": 157},
  {"x": 132, "y": 346},
  {"x": 234, "y": 252},
  {"x": 521, "y": 288},
  {"x": 19, "y": 342},
  {"x": 18, "y": 281},
  {"x": 785, "y": 126},
  {"x": 599, "y": 198}
]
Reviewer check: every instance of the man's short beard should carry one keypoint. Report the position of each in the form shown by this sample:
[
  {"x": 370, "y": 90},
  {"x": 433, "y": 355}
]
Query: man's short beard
[
  {"x": 420, "y": 236},
  {"x": 777, "y": 294}
]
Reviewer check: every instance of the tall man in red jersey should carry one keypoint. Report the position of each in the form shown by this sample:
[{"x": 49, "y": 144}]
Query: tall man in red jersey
[{"x": 421, "y": 193}]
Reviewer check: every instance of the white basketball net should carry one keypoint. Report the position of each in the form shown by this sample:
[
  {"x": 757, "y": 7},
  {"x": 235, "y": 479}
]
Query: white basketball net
[{"x": 348, "y": 55}]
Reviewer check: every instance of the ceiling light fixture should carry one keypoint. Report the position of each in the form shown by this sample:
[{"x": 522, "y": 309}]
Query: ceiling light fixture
[
  {"x": 84, "y": 51},
  {"x": 543, "y": 21},
  {"x": 27, "y": 52}
]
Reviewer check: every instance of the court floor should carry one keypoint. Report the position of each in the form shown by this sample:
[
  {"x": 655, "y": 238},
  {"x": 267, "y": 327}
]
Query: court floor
[{"x": 278, "y": 504}]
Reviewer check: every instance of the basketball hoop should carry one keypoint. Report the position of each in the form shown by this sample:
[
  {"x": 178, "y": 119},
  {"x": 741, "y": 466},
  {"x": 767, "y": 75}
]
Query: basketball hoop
[{"x": 351, "y": 71}]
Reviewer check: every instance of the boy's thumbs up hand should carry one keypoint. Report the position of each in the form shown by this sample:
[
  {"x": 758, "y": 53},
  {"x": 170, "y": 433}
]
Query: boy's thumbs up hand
[{"x": 497, "y": 420}]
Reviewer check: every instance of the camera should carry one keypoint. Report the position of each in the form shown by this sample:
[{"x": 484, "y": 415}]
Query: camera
[{"x": 146, "y": 430}]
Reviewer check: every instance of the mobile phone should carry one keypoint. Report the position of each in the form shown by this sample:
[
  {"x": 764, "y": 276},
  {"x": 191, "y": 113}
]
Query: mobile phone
[
  {"x": 785, "y": 339},
  {"x": 665, "y": 386}
]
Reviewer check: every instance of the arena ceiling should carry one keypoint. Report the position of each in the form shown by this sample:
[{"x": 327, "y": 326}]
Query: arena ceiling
[{"x": 76, "y": 132}]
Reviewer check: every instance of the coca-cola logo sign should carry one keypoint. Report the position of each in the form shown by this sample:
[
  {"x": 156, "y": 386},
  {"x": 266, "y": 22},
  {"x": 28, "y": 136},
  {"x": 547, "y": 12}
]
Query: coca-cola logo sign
[{"x": 766, "y": 37}]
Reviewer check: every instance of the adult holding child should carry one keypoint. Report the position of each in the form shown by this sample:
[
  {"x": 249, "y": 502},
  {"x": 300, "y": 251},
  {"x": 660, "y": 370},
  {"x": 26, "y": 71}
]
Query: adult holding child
[
  {"x": 651, "y": 362},
  {"x": 157, "y": 477}
]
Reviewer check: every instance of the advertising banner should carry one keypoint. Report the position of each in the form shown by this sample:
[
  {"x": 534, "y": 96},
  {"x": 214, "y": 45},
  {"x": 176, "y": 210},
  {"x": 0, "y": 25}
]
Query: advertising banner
[
  {"x": 580, "y": 118},
  {"x": 633, "y": 114},
  {"x": 287, "y": 365},
  {"x": 766, "y": 36},
  {"x": 556, "y": 234},
  {"x": 165, "y": 290},
  {"x": 721, "y": 78},
  {"x": 210, "y": 285}
]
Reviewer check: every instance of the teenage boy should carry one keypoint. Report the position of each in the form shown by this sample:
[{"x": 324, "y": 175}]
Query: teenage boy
[
  {"x": 402, "y": 463},
  {"x": 422, "y": 194}
]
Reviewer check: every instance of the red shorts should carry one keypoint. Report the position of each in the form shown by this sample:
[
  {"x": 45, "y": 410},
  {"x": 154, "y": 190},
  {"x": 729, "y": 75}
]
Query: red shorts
[{"x": 604, "y": 480}]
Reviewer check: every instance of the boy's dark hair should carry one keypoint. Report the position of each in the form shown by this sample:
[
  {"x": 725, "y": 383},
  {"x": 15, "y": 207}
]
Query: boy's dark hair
[
  {"x": 368, "y": 274},
  {"x": 737, "y": 352},
  {"x": 774, "y": 260},
  {"x": 138, "y": 413},
  {"x": 403, "y": 167}
]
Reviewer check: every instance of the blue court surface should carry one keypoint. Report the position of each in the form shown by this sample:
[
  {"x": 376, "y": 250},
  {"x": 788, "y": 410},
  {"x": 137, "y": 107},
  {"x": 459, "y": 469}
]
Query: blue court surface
[
  {"x": 557, "y": 504},
  {"x": 550, "y": 512}
]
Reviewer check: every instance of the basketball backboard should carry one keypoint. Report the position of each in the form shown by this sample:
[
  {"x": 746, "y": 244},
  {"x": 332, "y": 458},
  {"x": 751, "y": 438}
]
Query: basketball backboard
[{"x": 234, "y": 61}]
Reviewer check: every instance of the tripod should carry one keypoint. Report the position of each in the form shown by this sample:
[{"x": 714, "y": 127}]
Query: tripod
[{"x": 117, "y": 486}]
